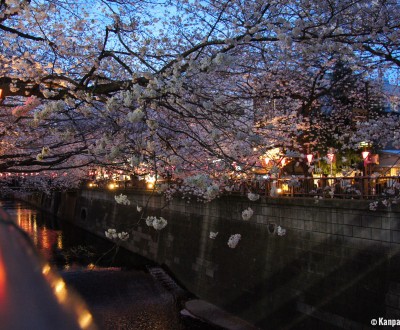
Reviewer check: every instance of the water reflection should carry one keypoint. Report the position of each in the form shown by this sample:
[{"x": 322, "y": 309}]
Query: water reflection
[
  {"x": 129, "y": 299},
  {"x": 44, "y": 231},
  {"x": 66, "y": 246},
  {"x": 43, "y": 238},
  {"x": 2, "y": 283}
]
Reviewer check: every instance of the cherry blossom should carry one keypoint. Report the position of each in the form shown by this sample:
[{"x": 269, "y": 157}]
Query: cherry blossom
[
  {"x": 122, "y": 199},
  {"x": 247, "y": 214},
  {"x": 234, "y": 240},
  {"x": 198, "y": 92},
  {"x": 213, "y": 235},
  {"x": 156, "y": 223}
]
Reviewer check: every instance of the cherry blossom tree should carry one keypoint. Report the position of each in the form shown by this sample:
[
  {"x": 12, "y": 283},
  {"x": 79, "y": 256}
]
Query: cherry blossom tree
[{"x": 194, "y": 89}]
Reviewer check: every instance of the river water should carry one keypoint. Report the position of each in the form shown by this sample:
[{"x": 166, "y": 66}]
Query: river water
[{"x": 119, "y": 291}]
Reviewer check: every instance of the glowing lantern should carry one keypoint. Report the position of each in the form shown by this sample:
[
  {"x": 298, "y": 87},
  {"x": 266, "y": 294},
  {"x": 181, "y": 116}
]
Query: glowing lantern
[
  {"x": 365, "y": 155},
  {"x": 150, "y": 180},
  {"x": 309, "y": 158}
]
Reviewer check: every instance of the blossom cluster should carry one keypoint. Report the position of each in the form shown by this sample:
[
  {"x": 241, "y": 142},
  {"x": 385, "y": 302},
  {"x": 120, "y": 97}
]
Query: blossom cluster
[
  {"x": 135, "y": 116},
  {"x": 253, "y": 197},
  {"x": 373, "y": 205},
  {"x": 199, "y": 186},
  {"x": 156, "y": 223},
  {"x": 122, "y": 199},
  {"x": 30, "y": 104},
  {"x": 114, "y": 235},
  {"x": 213, "y": 235},
  {"x": 234, "y": 240},
  {"x": 45, "y": 151},
  {"x": 389, "y": 196},
  {"x": 280, "y": 231},
  {"x": 247, "y": 213}
]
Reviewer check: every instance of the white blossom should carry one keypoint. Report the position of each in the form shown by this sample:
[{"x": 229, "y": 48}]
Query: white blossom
[
  {"x": 111, "y": 233},
  {"x": 122, "y": 199},
  {"x": 139, "y": 208},
  {"x": 159, "y": 223},
  {"x": 390, "y": 191},
  {"x": 247, "y": 213},
  {"x": 135, "y": 116},
  {"x": 234, "y": 240},
  {"x": 128, "y": 98},
  {"x": 156, "y": 223},
  {"x": 45, "y": 151},
  {"x": 123, "y": 236},
  {"x": 253, "y": 197},
  {"x": 112, "y": 103},
  {"x": 213, "y": 235},
  {"x": 149, "y": 220},
  {"x": 373, "y": 205},
  {"x": 280, "y": 231}
]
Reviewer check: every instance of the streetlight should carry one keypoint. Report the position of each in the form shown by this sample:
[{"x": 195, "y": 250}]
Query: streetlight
[
  {"x": 330, "y": 156},
  {"x": 365, "y": 155},
  {"x": 309, "y": 158}
]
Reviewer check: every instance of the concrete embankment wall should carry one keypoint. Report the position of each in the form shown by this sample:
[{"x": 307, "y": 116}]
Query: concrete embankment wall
[{"x": 339, "y": 261}]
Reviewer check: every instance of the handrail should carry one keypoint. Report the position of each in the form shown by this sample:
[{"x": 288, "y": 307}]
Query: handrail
[
  {"x": 357, "y": 187},
  {"x": 32, "y": 295}
]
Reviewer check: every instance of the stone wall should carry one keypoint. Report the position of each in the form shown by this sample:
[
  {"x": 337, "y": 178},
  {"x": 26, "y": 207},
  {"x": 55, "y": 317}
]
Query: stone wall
[{"x": 338, "y": 262}]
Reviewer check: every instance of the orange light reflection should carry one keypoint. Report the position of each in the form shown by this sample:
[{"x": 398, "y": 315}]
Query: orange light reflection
[{"x": 2, "y": 283}]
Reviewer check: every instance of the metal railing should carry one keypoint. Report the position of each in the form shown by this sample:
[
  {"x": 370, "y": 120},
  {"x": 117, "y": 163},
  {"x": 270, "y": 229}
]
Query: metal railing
[
  {"x": 358, "y": 187},
  {"x": 32, "y": 295}
]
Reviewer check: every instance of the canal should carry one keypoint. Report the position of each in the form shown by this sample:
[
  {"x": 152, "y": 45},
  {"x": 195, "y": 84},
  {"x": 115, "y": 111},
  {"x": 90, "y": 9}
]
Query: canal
[{"x": 115, "y": 283}]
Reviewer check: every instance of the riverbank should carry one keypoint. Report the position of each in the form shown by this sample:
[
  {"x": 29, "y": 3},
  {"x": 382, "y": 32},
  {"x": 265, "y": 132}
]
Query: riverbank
[
  {"x": 331, "y": 261},
  {"x": 139, "y": 291},
  {"x": 122, "y": 299}
]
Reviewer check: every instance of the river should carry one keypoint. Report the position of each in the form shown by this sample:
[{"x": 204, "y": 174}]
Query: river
[{"x": 119, "y": 291}]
